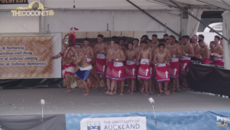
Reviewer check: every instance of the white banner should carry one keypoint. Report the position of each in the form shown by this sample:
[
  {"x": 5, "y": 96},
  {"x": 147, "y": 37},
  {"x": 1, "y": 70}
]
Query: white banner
[{"x": 115, "y": 123}]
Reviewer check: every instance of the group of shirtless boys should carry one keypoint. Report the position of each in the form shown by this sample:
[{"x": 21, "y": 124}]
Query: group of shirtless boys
[{"x": 148, "y": 67}]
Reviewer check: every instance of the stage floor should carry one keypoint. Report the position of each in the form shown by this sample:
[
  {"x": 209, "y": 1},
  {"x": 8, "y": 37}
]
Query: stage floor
[{"x": 27, "y": 102}]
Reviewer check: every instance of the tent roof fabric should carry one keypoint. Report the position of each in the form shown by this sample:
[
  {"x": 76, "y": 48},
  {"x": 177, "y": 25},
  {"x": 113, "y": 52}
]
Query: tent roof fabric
[{"x": 124, "y": 5}]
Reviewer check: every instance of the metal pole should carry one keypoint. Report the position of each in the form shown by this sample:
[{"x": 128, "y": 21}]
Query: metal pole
[
  {"x": 225, "y": 2},
  {"x": 199, "y": 20},
  {"x": 153, "y": 17}
]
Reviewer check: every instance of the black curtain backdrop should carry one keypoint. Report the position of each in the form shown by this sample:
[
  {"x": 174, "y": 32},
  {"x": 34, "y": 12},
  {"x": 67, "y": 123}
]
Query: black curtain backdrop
[
  {"x": 209, "y": 78},
  {"x": 30, "y": 83}
]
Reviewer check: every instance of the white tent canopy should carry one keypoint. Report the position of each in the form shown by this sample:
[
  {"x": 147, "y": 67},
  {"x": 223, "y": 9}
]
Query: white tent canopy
[
  {"x": 124, "y": 5},
  {"x": 120, "y": 15}
]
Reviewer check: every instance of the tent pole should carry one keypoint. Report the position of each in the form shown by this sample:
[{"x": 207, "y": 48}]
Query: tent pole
[
  {"x": 199, "y": 20},
  {"x": 153, "y": 18}
]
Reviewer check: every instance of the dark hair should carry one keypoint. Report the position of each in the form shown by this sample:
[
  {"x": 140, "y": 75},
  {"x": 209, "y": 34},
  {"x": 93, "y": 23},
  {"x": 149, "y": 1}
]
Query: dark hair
[
  {"x": 162, "y": 40},
  {"x": 221, "y": 38},
  {"x": 130, "y": 43},
  {"x": 202, "y": 36},
  {"x": 144, "y": 42},
  {"x": 180, "y": 38},
  {"x": 167, "y": 35},
  {"x": 161, "y": 44},
  {"x": 172, "y": 37},
  {"x": 114, "y": 38},
  {"x": 123, "y": 38},
  {"x": 212, "y": 42},
  {"x": 217, "y": 37},
  {"x": 116, "y": 42},
  {"x": 100, "y": 35},
  {"x": 186, "y": 36},
  {"x": 86, "y": 39},
  {"x": 154, "y": 35},
  {"x": 136, "y": 39}
]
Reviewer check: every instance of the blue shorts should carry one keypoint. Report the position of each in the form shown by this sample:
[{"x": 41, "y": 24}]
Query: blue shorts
[{"x": 82, "y": 74}]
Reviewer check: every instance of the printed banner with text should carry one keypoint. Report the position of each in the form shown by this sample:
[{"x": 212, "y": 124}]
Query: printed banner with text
[{"x": 29, "y": 56}]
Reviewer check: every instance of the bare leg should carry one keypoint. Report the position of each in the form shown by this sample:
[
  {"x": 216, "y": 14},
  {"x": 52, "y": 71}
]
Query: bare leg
[
  {"x": 69, "y": 89},
  {"x": 142, "y": 85},
  {"x": 160, "y": 89},
  {"x": 108, "y": 82},
  {"x": 167, "y": 92},
  {"x": 122, "y": 87},
  {"x": 113, "y": 85},
  {"x": 151, "y": 88},
  {"x": 88, "y": 84},
  {"x": 85, "y": 84},
  {"x": 132, "y": 85},
  {"x": 104, "y": 80},
  {"x": 129, "y": 85},
  {"x": 178, "y": 84},
  {"x": 146, "y": 82},
  {"x": 98, "y": 82},
  {"x": 174, "y": 85}
]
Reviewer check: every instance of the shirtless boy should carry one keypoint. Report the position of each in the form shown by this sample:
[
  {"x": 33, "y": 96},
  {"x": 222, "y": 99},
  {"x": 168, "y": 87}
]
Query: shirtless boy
[
  {"x": 217, "y": 52},
  {"x": 84, "y": 68},
  {"x": 204, "y": 54},
  {"x": 144, "y": 59},
  {"x": 68, "y": 66},
  {"x": 109, "y": 57},
  {"x": 176, "y": 52},
  {"x": 187, "y": 53},
  {"x": 100, "y": 50},
  {"x": 131, "y": 68},
  {"x": 88, "y": 51},
  {"x": 118, "y": 72},
  {"x": 162, "y": 72}
]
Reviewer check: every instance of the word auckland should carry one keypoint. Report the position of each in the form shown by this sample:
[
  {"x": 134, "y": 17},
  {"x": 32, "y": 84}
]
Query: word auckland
[{"x": 122, "y": 127}]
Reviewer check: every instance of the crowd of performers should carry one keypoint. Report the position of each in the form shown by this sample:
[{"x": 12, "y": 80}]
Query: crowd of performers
[{"x": 150, "y": 66}]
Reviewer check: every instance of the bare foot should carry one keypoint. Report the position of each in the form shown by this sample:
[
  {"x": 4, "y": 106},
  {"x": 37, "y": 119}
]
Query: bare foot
[
  {"x": 159, "y": 94},
  {"x": 173, "y": 91},
  {"x": 152, "y": 92},
  {"x": 167, "y": 92},
  {"x": 142, "y": 90},
  {"x": 98, "y": 88},
  {"x": 110, "y": 93},
  {"x": 121, "y": 94},
  {"x": 115, "y": 92},
  {"x": 107, "y": 92},
  {"x": 178, "y": 89},
  {"x": 128, "y": 91},
  {"x": 86, "y": 94},
  {"x": 131, "y": 92},
  {"x": 84, "y": 91},
  {"x": 68, "y": 91},
  {"x": 146, "y": 94},
  {"x": 105, "y": 88}
]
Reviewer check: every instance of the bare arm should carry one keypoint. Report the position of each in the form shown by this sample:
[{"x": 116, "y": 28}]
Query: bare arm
[
  {"x": 95, "y": 49},
  {"x": 58, "y": 55},
  {"x": 169, "y": 57},
  {"x": 123, "y": 57},
  {"x": 150, "y": 58},
  {"x": 91, "y": 54},
  {"x": 154, "y": 59},
  {"x": 191, "y": 52},
  {"x": 179, "y": 52}
]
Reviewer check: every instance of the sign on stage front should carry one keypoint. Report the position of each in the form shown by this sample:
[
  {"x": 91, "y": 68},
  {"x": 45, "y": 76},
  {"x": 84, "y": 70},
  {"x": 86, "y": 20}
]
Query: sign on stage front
[
  {"x": 114, "y": 123},
  {"x": 29, "y": 56}
]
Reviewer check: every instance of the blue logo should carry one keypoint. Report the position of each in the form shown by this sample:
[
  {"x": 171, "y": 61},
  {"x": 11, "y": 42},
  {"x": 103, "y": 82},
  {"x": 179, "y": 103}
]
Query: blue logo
[{"x": 93, "y": 125}]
